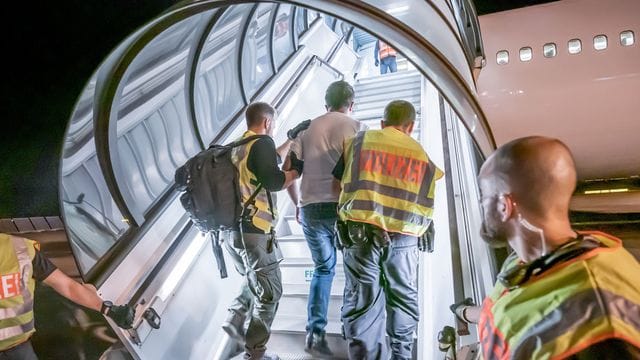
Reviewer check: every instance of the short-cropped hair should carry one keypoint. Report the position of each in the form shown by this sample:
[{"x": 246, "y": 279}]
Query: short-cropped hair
[
  {"x": 257, "y": 111},
  {"x": 339, "y": 94},
  {"x": 399, "y": 113}
]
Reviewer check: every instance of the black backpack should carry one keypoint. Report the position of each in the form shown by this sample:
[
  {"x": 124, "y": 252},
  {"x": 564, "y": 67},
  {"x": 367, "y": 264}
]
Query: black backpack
[{"x": 211, "y": 187}]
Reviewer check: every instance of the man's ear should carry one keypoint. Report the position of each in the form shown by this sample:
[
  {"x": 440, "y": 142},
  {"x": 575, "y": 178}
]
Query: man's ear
[
  {"x": 267, "y": 122},
  {"x": 505, "y": 207},
  {"x": 351, "y": 106},
  {"x": 382, "y": 125},
  {"x": 410, "y": 128}
]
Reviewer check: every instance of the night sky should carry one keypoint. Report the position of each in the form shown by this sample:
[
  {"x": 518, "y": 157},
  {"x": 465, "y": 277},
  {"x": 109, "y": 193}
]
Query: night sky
[{"x": 53, "y": 48}]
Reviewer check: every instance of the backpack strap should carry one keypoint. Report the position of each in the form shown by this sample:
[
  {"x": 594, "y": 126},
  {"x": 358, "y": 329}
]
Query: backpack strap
[
  {"x": 252, "y": 199},
  {"x": 241, "y": 141},
  {"x": 273, "y": 214}
]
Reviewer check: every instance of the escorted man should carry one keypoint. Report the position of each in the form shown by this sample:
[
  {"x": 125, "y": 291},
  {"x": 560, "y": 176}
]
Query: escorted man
[
  {"x": 253, "y": 247},
  {"x": 387, "y": 56},
  {"x": 320, "y": 147},
  {"x": 21, "y": 265},
  {"x": 561, "y": 293},
  {"x": 385, "y": 208}
]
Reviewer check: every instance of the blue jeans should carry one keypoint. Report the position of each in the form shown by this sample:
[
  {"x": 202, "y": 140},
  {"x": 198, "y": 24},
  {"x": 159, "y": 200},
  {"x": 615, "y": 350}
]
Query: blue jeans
[
  {"x": 318, "y": 222},
  {"x": 388, "y": 64}
]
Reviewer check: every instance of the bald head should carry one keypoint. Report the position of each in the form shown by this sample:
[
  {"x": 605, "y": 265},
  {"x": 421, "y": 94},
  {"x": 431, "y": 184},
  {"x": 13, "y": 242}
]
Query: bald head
[{"x": 539, "y": 173}]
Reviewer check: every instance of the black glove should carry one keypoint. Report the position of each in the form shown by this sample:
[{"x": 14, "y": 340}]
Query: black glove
[
  {"x": 377, "y": 62},
  {"x": 122, "y": 315},
  {"x": 458, "y": 309},
  {"x": 296, "y": 164},
  {"x": 294, "y": 131}
]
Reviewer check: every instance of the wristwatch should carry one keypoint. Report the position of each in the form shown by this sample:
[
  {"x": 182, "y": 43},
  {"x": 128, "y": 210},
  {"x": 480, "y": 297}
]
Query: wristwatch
[{"x": 106, "y": 306}]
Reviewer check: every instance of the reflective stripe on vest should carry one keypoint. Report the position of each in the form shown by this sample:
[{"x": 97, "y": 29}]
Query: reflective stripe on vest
[
  {"x": 262, "y": 218},
  {"x": 388, "y": 182},
  {"x": 386, "y": 50},
  {"x": 566, "y": 309},
  {"x": 16, "y": 290}
]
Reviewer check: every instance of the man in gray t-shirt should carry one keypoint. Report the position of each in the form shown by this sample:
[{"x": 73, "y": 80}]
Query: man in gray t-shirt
[{"x": 320, "y": 147}]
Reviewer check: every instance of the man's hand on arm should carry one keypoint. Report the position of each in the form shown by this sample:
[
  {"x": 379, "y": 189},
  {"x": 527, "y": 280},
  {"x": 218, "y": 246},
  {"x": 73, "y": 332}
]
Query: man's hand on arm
[
  {"x": 122, "y": 315},
  {"x": 87, "y": 296},
  {"x": 290, "y": 177},
  {"x": 292, "y": 189},
  {"x": 283, "y": 149},
  {"x": 292, "y": 134},
  {"x": 293, "y": 170},
  {"x": 466, "y": 311}
]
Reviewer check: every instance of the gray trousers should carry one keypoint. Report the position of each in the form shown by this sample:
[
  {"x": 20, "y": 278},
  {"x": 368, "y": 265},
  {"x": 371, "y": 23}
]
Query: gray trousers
[
  {"x": 381, "y": 296},
  {"x": 261, "y": 288}
]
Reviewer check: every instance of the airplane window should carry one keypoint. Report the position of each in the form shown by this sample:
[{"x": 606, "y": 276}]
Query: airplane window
[
  {"x": 502, "y": 57},
  {"x": 549, "y": 50},
  {"x": 574, "y": 46},
  {"x": 600, "y": 42},
  {"x": 526, "y": 54},
  {"x": 626, "y": 38}
]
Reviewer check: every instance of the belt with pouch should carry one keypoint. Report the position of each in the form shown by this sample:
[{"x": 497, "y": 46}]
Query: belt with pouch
[
  {"x": 237, "y": 241},
  {"x": 352, "y": 233}
]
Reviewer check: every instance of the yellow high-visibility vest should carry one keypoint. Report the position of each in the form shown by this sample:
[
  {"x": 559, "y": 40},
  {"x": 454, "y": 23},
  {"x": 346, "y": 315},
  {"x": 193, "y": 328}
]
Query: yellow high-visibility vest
[
  {"x": 16, "y": 290},
  {"x": 263, "y": 217},
  {"x": 574, "y": 304},
  {"x": 388, "y": 182}
]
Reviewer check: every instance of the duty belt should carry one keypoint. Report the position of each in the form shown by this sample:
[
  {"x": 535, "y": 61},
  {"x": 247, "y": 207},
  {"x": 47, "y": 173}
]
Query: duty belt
[{"x": 353, "y": 233}]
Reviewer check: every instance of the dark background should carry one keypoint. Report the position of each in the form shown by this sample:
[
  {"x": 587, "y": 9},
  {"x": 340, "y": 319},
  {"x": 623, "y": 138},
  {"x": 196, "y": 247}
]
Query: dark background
[{"x": 53, "y": 48}]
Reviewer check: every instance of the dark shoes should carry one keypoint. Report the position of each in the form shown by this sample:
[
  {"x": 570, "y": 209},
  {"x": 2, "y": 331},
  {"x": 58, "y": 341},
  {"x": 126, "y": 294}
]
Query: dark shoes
[
  {"x": 316, "y": 345},
  {"x": 234, "y": 326}
]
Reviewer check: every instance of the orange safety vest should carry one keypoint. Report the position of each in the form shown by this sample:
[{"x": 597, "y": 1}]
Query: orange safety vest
[
  {"x": 565, "y": 309},
  {"x": 385, "y": 50}
]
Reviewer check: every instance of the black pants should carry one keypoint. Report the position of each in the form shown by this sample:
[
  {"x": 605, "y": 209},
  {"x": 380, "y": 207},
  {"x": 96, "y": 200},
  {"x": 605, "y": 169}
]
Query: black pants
[{"x": 22, "y": 351}]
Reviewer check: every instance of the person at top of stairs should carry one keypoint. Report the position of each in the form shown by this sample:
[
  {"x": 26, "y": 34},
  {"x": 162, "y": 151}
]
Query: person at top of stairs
[{"x": 319, "y": 147}]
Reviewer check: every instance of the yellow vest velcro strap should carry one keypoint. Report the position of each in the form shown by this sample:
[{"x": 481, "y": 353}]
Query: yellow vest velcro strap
[
  {"x": 389, "y": 212},
  {"x": 24, "y": 259},
  {"x": 577, "y": 311},
  {"x": 432, "y": 171},
  {"x": 388, "y": 191},
  {"x": 357, "y": 147}
]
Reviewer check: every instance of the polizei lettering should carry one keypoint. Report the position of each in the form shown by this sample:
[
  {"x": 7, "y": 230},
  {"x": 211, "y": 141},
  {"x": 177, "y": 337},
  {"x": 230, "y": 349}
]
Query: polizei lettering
[
  {"x": 399, "y": 167},
  {"x": 9, "y": 285}
]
